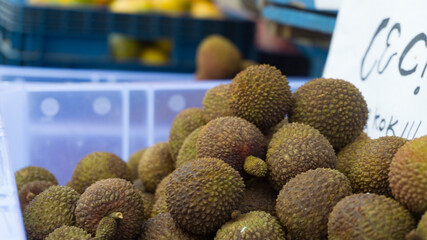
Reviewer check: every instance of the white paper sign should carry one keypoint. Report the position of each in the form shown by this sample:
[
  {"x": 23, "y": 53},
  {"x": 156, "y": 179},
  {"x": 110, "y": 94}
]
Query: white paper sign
[
  {"x": 327, "y": 4},
  {"x": 381, "y": 47}
]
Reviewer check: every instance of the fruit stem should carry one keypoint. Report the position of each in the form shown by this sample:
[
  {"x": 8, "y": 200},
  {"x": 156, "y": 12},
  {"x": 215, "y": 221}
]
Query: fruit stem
[
  {"x": 116, "y": 215},
  {"x": 30, "y": 196},
  {"x": 235, "y": 214}
]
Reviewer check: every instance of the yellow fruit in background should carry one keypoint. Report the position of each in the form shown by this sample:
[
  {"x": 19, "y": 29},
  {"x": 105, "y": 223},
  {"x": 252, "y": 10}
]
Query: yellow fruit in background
[
  {"x": 123, "y": 48},
  {"x": 165, "y": 45},
  {"x": 153, "y": 56},
  {"x": 131, "y": 6},
  {"x": 37, "y": 2},
  {"x": 171, "y": 6},
  {"x": 66, "y": 3},
  {"x": 87, "y": 3},
  {"x": 205, "y": 9}
]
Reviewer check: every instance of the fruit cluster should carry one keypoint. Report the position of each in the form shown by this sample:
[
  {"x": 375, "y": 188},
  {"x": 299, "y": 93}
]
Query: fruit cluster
[{"x": 256, "y": 162}]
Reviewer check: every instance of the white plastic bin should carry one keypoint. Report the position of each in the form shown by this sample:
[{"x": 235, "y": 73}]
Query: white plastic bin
[{"x": 55, "y": 125}]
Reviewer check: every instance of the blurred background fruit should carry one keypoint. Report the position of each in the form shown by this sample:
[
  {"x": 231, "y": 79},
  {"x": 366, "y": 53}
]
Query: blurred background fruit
[
  {"x": 205, "y": 9},
  {"x": 124, "y": 48},
  {"x": 171, "y": 6},
  {"x": 153, "y": 55},
  {"x": 131, "y": 6}
]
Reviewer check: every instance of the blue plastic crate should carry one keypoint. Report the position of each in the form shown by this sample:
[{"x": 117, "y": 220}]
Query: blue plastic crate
[
  {"x": 309, "y": 4},
  {"x": 78, "y": 38},
  {"x": 309, "y": 20}
]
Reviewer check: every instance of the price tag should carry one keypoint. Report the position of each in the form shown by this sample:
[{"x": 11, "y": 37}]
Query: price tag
[{"x": 381, "y": 47}]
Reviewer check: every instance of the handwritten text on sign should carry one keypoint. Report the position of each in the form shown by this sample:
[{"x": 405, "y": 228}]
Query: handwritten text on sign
[{"x": 381, "y": 47}]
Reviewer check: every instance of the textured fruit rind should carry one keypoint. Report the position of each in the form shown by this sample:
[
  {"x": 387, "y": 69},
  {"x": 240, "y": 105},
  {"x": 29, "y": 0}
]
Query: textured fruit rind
[
  {"x": 350, "y": 153},
  {"x": 256, "y": 225},
  {"x": 148, "y": 201},
  {"x": 69, "y": 233},
  {"x": 231, "y": 139},
  {"x": 202, "y": 194},
  {"x": 261, "y": 95},
  {"x": 305, "y": 202},
  {"x": 259, "y": 196},
  {"x": 97, "y": 166},
  {"x": 106, "y": 229},
  {"x": 160, "y": 205},
  {"x": 133, "y": 162},
  {"x": 255, "y": 166},
  {"x": 105, "y": 197},
  {"x": 163, "y": 227},
  {"x": 408, "y": 175},
  {"x": 270, "y": 132},
  {"x": 369, "y": 173},
  {"x": 369, "y": 216},
  {"x": 183, "y": 124},
  {"x": 215, "y": 102},
  {"x": 188, "y": 148},
  {"x": 294, "y": 149},
  {"x": 33, "y": 173},
  {"x": 333, "y": 106},
  {"x": 30, "y": 190},
  {"x": 49, "y": 210},
  {"x": 155, "y": 164}
]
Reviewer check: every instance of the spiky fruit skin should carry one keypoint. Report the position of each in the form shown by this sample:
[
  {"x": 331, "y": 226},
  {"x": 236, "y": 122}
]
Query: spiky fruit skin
[
  {"x": 255, "y": 166},
  {"x": 30, "y": 190},
  {"x": 420, "y": 233},
  {"x": 69, "y": 233},
  {"x": 161, "y": 188},
  {"x": 32, "y": 173},
  {"x": 106, "y": 229},
  {"x": 148, "y": 201},
  {"x": 270, "y": 132},
  {"x": 163, "y": 227},
  {"x": 50, "y": 210},
  {"x": 261, "y": 95},
  {"x": 259, "y": 196},
  {"x": 408, "y": 175},
  {"x": 231, "y": 139},
  {"x": 133, "y": 162},
  {"x": 334, "y": 107},
  {"x": 294, "y": 149},
  {"x": 202, "y": 194},
  {"x": 97, "y": 166},
  {"x": 160, "y": 204},
  {"x": 351, "y": 153},
  {"x": 369, "y": 216},
  {"x": 215, "y": 102},
  {"x": 217, "y": 58},
  {"x": 305, "y": 202},
  {"x": 105, "y": 197},
  {"x": 256, "y": 225},
  {"x": 370, "y": 171},
  {"x": 183, "y": 125},
  {"x": 155, "y": 164},
  {"x": 188, "y": 148}
]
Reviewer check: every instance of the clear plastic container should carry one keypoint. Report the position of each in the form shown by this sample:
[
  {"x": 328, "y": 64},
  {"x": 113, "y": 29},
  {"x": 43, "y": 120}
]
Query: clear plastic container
[{"x": 55, "y": 125}]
